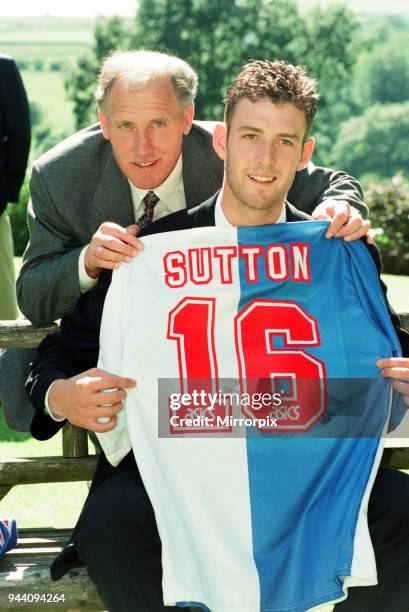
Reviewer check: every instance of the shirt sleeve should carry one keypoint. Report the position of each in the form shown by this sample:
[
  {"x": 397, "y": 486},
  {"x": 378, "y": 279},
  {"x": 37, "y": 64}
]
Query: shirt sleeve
[
  {"x": 47, "y": 407},
  {"x": 86, "y": 282}
]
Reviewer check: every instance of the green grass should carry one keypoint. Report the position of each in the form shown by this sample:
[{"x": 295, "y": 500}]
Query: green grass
[{"x": 40, "y": 505}]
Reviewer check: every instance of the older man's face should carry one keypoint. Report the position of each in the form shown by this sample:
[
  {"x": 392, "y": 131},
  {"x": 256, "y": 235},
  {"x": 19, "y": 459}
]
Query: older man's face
[{"x": 145, "y": 127}]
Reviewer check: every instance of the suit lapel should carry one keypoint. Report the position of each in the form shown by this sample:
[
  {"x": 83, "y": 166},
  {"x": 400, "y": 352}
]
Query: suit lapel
[
  {"x": 203, "y": 215},
  {"x": 113, "y": 198}
]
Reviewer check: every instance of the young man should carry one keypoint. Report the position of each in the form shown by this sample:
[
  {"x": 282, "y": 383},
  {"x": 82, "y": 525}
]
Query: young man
[{"x": 269, "y": 109}]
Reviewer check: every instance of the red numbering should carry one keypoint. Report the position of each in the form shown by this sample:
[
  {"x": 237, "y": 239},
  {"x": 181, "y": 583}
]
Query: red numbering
[{"x": 291, "y": 372}]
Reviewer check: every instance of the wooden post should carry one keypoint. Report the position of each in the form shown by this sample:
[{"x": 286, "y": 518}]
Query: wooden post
[{"x": 74, "y": 442}]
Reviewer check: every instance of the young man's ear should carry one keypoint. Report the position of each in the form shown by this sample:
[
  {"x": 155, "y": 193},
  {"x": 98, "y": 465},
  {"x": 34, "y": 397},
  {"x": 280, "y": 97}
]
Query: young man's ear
[
  {"x": 307, "y": 151},
  {"x": 104, "y": 124},
  {"x": 219, "y": 140}
]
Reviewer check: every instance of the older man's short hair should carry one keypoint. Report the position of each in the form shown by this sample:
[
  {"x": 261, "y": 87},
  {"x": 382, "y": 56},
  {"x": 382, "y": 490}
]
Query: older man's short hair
[
  {"x": 278, "y": 81},
  {"x": 138, "y": 68}
]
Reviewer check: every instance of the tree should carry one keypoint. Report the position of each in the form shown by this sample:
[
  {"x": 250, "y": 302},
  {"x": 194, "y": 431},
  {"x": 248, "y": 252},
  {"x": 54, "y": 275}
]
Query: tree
[
  {"x": 328, "y": 51},
  {"x": 389, "y": 206},
  {"x": 381, "y": 75},
  {"x": 375, "y": 143},
  {"x": 110, "y": 34},
  {"x": 217, "y": 38}
]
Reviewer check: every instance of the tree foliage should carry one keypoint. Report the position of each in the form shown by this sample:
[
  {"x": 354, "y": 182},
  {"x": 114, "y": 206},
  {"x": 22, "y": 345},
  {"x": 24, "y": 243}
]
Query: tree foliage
[
  {"x": 110, "y": 34},
  {"x": 18, "y": 219},
  {"x": 389, "y": 206},
  {"x": 375, "y": 143},
  {"x": 217, "y": 37},
  {"x": 328, "y": 51},
  {"x": 381, "y": 75}
]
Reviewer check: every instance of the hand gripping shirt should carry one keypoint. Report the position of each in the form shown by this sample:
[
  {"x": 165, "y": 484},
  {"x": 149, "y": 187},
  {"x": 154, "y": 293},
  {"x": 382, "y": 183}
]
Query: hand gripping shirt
[{"x": 263, "y": 505}]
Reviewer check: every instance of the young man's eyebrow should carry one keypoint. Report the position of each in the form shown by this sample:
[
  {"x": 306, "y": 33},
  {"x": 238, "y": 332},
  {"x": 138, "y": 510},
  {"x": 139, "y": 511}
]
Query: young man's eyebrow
[
  {"x": 251, "y": 128},
  {"x": 290, "y": 136}
]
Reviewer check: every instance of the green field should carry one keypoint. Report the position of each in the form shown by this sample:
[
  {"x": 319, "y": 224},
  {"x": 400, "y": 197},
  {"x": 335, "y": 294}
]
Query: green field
[
  {"x": 46, "y": 49},
  {"x": 47, "y": 39},
  {"x": 55, "y": 108},
  {"x": 46, "y": 29}
]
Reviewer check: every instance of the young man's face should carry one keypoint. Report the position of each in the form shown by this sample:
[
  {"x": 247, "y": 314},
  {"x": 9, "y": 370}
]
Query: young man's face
[
  {"x": 262, "y": 152},
  {"x": 145, "y": 127}
]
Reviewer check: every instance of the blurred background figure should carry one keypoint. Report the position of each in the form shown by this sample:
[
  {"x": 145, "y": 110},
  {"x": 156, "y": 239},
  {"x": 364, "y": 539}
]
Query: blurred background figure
[{"x": 15, "y": 135}]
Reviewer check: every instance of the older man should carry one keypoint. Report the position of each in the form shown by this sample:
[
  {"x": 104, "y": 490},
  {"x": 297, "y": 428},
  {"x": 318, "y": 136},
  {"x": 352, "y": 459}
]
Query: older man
[{"x": 116, "y": 537}]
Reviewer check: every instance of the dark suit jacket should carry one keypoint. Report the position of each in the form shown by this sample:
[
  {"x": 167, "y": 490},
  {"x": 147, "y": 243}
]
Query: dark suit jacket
[
  {"x": 74, "y": 348},
  {"x": 14, "y": 131}
]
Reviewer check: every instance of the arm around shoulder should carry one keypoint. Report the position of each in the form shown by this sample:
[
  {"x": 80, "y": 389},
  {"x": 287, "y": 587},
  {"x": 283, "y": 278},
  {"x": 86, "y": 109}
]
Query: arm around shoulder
[{"x": 314, "y": 184}]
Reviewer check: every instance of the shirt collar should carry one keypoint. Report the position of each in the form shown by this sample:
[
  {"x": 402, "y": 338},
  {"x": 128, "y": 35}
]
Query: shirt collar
[
  {"x": 222, "y": 221},
  {"x": 166, "y": 191}
]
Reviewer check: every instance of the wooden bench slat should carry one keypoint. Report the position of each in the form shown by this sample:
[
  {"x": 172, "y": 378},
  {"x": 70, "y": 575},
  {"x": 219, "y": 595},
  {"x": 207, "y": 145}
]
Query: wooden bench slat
[
  {"x": 21, "y": 334},
  {"x": 34, "y": 470}
]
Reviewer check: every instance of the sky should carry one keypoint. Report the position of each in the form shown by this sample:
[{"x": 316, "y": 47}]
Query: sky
[{"x": 93, "y": 8}]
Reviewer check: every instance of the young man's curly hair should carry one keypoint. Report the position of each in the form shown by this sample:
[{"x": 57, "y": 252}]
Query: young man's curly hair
[{"x": 279, "y": 81}]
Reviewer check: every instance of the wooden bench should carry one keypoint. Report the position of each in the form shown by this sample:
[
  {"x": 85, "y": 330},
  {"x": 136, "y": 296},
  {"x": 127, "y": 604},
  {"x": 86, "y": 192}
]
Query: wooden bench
[{"x": 26, "y": 568}]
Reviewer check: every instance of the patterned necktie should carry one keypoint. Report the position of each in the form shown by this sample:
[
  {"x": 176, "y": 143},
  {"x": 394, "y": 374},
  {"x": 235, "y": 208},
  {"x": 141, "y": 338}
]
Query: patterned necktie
[{"x": 149, "y": 202}]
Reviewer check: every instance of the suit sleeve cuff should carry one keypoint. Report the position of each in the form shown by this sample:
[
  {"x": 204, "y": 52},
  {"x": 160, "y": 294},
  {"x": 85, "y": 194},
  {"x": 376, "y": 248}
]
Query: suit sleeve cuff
[{"x": 86, "y": 282}]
